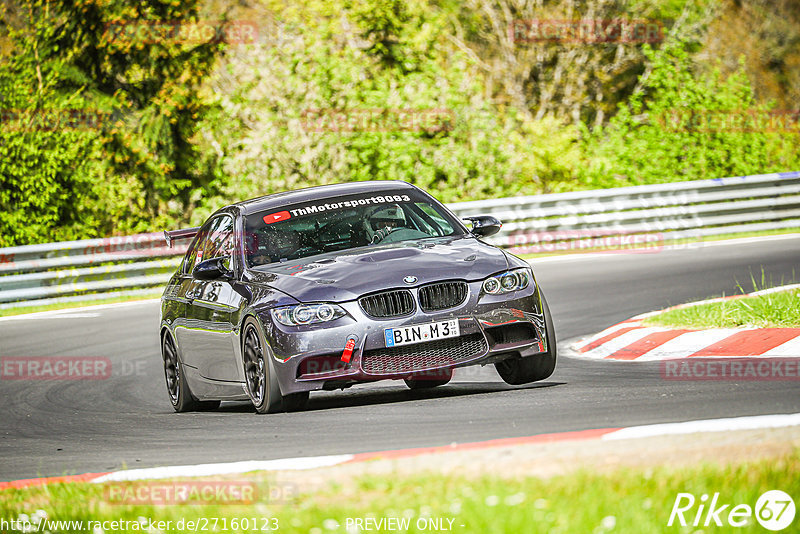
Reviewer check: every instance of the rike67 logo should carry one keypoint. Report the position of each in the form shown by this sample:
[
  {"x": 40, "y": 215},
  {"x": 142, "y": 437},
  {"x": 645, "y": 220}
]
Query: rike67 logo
[{"x": 774, "y": 510}]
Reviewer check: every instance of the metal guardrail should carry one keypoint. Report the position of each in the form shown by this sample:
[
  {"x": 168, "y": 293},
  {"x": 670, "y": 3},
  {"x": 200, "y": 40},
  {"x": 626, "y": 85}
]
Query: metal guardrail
[
  {"x": 85, "y": 270},
  {"x": 664, "y": 211},
  {"x": 131, "y": 265}
]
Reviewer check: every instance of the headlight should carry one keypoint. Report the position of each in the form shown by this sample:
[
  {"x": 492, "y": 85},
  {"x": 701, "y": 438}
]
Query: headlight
[
  {"x": 507, "y": 282},
  {"x": 304, "y": 314}
]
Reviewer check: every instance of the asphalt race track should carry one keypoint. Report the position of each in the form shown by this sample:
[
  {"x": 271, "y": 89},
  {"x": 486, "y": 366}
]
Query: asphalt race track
[{"x": 64, "y": 427}]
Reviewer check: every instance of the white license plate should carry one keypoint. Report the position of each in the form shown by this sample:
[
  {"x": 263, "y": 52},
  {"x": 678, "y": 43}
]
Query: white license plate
[{"x": 420, "y": 333}]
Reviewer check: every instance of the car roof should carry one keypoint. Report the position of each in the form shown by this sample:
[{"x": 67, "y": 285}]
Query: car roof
[{"x": 277, "y": 200}]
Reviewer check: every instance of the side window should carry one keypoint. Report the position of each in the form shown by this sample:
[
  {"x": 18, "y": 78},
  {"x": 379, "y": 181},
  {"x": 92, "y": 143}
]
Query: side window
[
  {"x": 442, "y": 227},
  {"x": 220, "y": 238},
  {"x": 195, "y": 253}
]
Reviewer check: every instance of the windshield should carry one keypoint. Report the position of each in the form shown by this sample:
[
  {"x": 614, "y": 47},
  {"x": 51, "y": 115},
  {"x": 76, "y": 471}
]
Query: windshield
[{"x": 341, "y": 223}]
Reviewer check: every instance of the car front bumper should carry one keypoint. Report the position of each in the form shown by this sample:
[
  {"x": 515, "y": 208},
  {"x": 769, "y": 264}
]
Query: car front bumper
[{"x": 492, "y": 328}]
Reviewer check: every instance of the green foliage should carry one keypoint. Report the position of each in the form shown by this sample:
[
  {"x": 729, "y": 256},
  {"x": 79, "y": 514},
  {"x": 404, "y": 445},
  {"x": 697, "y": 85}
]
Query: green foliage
[
  {"x": 434, "y": 93},
  {"x": 98, "y": 126},
  {"x": 44, "y": 175},
  {"x": 548, "y": 153},
  {"x": 335, "y": 102},
  {"x": 39, "y": 186},
  {"x": 683, "y": 126}
]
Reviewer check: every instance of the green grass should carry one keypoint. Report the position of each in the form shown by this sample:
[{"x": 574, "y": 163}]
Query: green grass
[
  {"x": 622, "y": 500},
  {"x": 773, "y": 310},
  {"x": 79, "y": 304}
]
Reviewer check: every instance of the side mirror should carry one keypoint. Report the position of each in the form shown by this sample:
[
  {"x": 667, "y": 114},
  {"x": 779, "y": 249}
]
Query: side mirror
[
  {"x": 213, "y": 269},
  {"x": 484, "y": 225}
]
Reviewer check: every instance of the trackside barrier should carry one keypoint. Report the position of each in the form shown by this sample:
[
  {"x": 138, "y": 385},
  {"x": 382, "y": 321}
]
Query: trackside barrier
[
  {"x": 661, "y": 212},
  {"x": 91, "y": 269},
  {"x": 88, "y": 269}
]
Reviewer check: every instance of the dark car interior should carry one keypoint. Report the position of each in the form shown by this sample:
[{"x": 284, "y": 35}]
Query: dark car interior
[{"x": 300, "y": 237}]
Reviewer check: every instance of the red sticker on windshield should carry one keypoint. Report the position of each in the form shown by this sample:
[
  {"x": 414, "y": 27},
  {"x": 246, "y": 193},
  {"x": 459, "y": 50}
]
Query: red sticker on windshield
[{"x": 277, "y": 217}]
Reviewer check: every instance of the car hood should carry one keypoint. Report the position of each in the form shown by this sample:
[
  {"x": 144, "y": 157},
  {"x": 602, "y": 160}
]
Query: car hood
[{"x": 347, "y": 275}]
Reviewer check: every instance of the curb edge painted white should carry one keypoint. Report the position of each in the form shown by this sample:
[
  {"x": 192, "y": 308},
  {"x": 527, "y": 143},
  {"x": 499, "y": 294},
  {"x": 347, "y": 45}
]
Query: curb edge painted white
[
  {"x": 704, "y": 337},
  {"x": 708, "y": 425},
  {"x": 314, "y": 462},
  {"x": 230, "y": 468}
]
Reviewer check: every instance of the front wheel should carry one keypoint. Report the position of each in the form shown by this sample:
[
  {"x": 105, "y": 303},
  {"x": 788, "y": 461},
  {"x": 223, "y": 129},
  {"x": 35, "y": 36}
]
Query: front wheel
[
  {"x": 516, "y": 371},
  {"x": 261, "y": 381}
]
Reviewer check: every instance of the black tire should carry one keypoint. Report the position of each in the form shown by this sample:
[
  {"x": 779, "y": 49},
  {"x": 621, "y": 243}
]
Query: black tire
[
  {"x": 178, "y": 390},
  {"x": 430, "y": 380},
  {"x": 517, "y": 371},
  {"x": 295, "y": 402},
  {"x": 260, "y": 380}
]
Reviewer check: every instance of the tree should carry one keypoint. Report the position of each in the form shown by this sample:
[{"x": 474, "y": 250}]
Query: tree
[
  {"x": 572, "y": 60},
  {"x": 368, "y": 92},
  {"x": 133, "y": 80},
  {"x": 685, "y": 125}
]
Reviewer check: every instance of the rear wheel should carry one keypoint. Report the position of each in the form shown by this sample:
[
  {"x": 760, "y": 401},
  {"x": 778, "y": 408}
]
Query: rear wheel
[
  {"x": 430, "y": 380},
  {"x": 261, "y": 381},
  {"x": 179, "y": 394},
  {"x": 516, "y": 371}
]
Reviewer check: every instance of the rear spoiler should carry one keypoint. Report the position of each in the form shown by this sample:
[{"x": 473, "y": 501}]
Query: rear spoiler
[{"x": 184, "y": 233}]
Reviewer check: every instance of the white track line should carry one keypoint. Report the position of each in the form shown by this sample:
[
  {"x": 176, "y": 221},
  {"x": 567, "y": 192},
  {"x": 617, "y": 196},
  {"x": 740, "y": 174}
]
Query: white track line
[
  {"x": 695, "y": 246},
  {"x": 284, "y": 464},
  {"x": 707, "y": 425},
  {"x": 64, "y": 312},
  {"x": 775, "y": 290},
  {"x": 748, "y": 240},
  {"x": 63, "y": 315}
]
